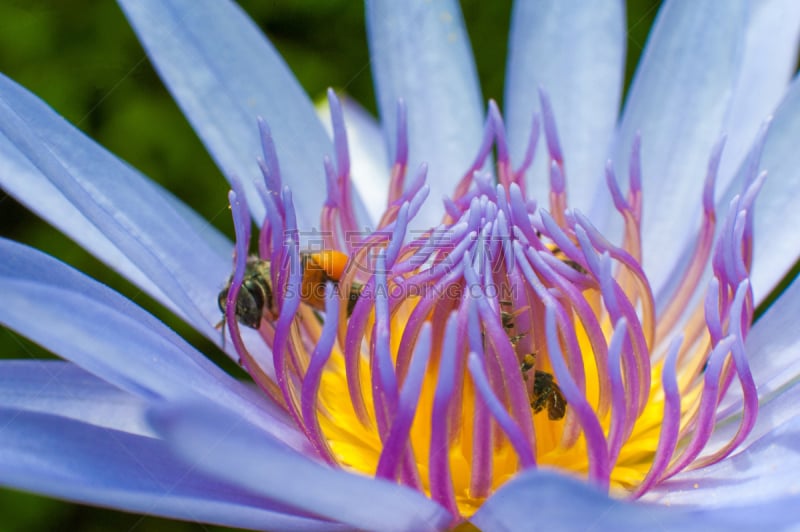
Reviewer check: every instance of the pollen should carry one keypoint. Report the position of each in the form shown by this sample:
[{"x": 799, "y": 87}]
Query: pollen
[{"x": 510, "y": 336}]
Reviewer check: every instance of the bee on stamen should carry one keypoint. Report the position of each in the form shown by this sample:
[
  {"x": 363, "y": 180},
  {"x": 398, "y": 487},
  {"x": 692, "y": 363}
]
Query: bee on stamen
[
  {"x": 544, "y": 393},
  {"x": 255, "y": 298},
  {"x": 507, "y": 320},
  {"x": 560, "y": 255}
]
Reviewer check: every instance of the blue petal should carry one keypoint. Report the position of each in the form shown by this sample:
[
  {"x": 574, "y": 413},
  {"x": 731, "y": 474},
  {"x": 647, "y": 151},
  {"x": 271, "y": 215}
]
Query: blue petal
[
  {"x": 575, "y": 51},
  {"x": 772, "y": 347},
  {"x": 107, "y": 335},
  {"x": 221, "y": 444},
  {"x": 679, "y": 100},
  {"x": 543, "y": 500},
  {"x": 71, "y": 460},
  {"x": 63, "y": 389},
  {"x": 775, "y": 409},
  {"x": 777, "y": 215},
  {"x": 420, "y": 52},
  {"x": 224, "y": 74},
  {"x": 128, "y": 221},
  {"x": 765, "y": 471},
  {"x": 368, "y": 160},
  {"x": 768, "y": 63},
  {"x": 765, "y": 467}
]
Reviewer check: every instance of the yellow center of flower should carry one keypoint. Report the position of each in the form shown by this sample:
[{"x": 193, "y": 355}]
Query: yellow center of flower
[
  {"x": 357, "y": 444},
  {"x": 453, "y": 392}
]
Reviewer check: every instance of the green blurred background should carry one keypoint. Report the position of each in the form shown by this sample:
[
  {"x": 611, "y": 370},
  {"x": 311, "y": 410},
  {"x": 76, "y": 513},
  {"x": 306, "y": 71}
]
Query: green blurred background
[{"x": 84, "y": 60}]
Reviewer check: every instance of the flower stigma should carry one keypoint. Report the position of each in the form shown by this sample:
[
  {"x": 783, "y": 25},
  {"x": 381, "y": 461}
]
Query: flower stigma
[{"x": 510, "y": 336}]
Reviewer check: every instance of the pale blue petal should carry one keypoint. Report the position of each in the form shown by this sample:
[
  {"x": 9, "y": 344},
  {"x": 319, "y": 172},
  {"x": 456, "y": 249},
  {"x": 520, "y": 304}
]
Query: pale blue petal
[
  {"x": 544, "y": 500},
  {"x": 224, "y": 74},
  {"x": 772, "y": 352},
  {"x": 67, "y": 459},
  {"x": 21, "y": 180},
  {"x": 762, "y": 472},
  {"x": 775, "y": 409},
  {"x": 420, "y": 52},
  {"x": 221, "y": 444},
  {"x": 64, "y": 389},
  {"x": 51, "y": 166},
  {"x": 769, "y": 61},
  {"x": 765, "y": 467},
  {"x": 777, "y": 216},
  {"x": 369, "y": 167},
  {"x": 575, "y": 51},
  {"x": 679, "y": 101},
  {"x": 87, "y": 323}
]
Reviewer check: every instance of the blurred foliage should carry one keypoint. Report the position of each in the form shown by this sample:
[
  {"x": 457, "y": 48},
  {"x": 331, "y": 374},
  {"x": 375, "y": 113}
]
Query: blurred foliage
[{"x": 82, "y": 58}]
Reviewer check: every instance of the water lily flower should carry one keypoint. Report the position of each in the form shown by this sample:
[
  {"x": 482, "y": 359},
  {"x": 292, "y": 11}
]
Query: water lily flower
[{"x": 547, "y": 324}]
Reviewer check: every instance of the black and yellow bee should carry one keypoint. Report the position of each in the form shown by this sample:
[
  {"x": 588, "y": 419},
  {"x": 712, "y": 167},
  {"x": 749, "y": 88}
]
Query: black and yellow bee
[
  {"x": 257, "y": 297},
  {"x": 545, "y": 392}
]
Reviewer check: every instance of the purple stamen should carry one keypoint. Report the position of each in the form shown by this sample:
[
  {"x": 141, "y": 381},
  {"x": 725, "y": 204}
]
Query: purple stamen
[
  {"x": 530, "y": 151},
  {"x": 310, "y": 387},
  {"x": 443, "y": 410},
  {"x": 635, "y": 178},
  {"x": 621, "y": 421},
  {"x": 266, "y": 232},
  {"x": 385, "y": 395},
  {"x": 618, "y": 307},
  {"x": 503, "y": 238},
  {"x": 701, "y": 429},
  {"x": 339, "y": 180},
  {"x": 557, "y": 181},
  {"x": 712, "y": 310},
  {"x": 587, "y": 318},
  {"x": 505, "y": 176},
  {"x": 749, "y": 391},
  {"x": 498, "y": 411},
  {"x": 481, "y": 467},
  {"x": 396, "y": 444},
  {"x": 418, "y": 192},
  {"x": 550, "y": 131},
  {"x": 519, "y": 216},
  {"x": 418, "y": 318},
  {"x": 558, "y": 195},
  {"x": 504, "y": 355},
  {"x": 596, "y": 444},
  {"x": 668, "y": 438},
  {"x": 450, "y": 207},
  {"x": 564, "y": 243},
  {"x": 241, "y": 225},
  {"x": 398, "y": 236},
  {"x": 616, "y": 194},
  {"x": 281, "y": 351},
  {"x": 352, "y": 355},
  {"x": 484, "y": 182}
]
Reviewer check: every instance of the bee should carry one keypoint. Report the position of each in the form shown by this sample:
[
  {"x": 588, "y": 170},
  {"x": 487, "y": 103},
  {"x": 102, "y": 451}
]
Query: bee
[
  {"x": 507, "y": 320},
  {"x": 560, "y": 255},
  {"x": 544, "y": 393},
  {"x": 256, "y": 295}
]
